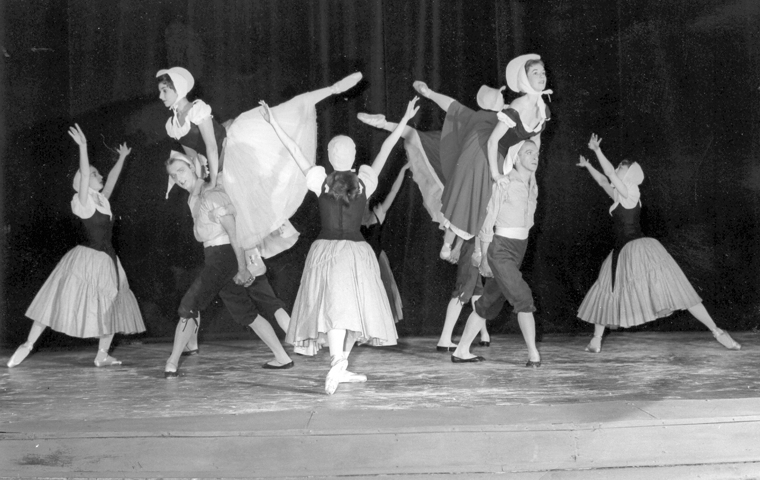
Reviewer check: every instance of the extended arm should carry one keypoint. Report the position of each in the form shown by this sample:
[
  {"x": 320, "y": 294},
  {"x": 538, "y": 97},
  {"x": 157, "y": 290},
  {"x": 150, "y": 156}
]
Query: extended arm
[
  {"x": 84, "y": 162},
  {"x": 113, "y": 175},
  {"x": 290, "y": 145},
  {"x": 394, "y": 189},
  {"x": 390, "y": 142},
  {"x": 607, "y": 167},
  {"x": 212, "y": 152},
  {"x": 598, "y": 177}
]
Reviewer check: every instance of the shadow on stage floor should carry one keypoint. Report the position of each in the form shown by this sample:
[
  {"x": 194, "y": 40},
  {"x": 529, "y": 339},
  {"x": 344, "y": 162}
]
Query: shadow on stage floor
[{"x": 672, "y": 405}]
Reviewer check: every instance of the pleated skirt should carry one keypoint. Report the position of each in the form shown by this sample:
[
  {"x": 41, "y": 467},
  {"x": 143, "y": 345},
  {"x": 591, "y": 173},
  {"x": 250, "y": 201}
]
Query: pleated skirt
[
  {"x": 341, "y": 288},
  {"x": 649, "y": 285},
  {"x": 81, "y": 299}
]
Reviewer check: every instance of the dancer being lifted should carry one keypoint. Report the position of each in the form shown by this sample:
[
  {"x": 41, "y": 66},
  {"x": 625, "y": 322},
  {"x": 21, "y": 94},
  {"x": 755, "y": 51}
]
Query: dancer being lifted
[
  {"x": 504, "y": 238},
  {"x": 427, "y": 165},
  {"x": 341, "y": 298},
  {"x": 372, "y": 230},
  {"x": 262, "y": 183},
  {"x": 87, "y": 295},
  {"x": 247, "y": 297},
  {"x": 639, "y": 281}
]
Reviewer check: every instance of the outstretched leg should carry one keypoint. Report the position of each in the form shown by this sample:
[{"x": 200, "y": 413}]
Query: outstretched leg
[
  {"x": 186, "y": 327},
  {"x": 25, "y": 348},
  {"x": 700, "y": 313},
  {"x": 441, "y": 100},
  {"x": 264, "y": 330},
  {"x": 316, "y": 96},
  {"x": 379, "y": 121}
]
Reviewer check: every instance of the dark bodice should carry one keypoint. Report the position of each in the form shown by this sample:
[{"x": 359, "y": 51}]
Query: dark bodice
[
  {"x": 341, "y": 221},
  {"x": 627, "y": 225},
  {"x": 99, "y": 229},
  {"x": 373, "y": 235},
  {"x": 194, "y": 139}
]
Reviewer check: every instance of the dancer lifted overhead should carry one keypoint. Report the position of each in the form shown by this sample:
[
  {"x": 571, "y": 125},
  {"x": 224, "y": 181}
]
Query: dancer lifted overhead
[
  {"x": 639, "y": 281},
  {"x": 341, "y": 299},
  {"x": 426, "y": 163},
  {"x": 247, "y": 297},
  {"x": 87, "y": 295}
]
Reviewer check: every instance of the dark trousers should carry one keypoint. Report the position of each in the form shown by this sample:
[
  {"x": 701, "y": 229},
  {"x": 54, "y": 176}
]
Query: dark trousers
[
  {"x": 244, "y": 304},
  {"x": 505, "y": 255}
]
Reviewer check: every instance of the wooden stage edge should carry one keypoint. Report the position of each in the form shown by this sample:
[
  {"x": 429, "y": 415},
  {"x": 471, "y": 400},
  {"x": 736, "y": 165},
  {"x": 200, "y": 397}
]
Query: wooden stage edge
[{"x": 59, "y": 418}]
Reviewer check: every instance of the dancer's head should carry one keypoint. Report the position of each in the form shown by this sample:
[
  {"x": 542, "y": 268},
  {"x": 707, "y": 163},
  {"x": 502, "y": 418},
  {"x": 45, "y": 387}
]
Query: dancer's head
[
  {"x": 490, "y": 98},
  {"x": 96, "y": 180},
  {"x": 341, "y": 152},
  {"x": 630, "y": 172},
  {"x": 182, "y": 171},
  {"x": 174, "y": 84},
  {"x": 526, "y": 74},
  {"x": 527, "y": 157}
]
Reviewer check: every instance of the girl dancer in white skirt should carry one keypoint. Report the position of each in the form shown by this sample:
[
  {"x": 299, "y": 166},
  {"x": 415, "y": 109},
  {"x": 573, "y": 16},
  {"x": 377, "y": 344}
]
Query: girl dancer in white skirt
[
  {"x": 341, "y": 299},
  {"x": 639, "y": 281},
  {"x": 87, "y": 295}
]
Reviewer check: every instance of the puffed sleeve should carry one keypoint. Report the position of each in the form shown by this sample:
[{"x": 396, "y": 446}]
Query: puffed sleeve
[
  {"x": 82, "y": 211},
  {"x": 199, "y": 112},
  {"x": 216, "y": 203},
  {"x": 315, "y": 177},
  {"x": 368, "y": 176},
  {"x": 505, "y": 117}
]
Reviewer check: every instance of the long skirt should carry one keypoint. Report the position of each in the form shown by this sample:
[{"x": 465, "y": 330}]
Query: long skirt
[
  {"x": 82, "y": 299},
  {"x": 649, "y": 285},
  {"x": 341, "y": 288}
]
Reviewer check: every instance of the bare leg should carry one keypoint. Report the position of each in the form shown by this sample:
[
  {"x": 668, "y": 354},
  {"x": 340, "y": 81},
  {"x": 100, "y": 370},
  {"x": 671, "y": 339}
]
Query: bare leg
[
  {"x": 379, "y": 121},
  {"x": 441, "y": 100},
  {"x": 474, "y": 323},
  {"x": 316, "y": 96},
  {"x": 700, "y": 313},
  {"x": 283, "y": 319},
  {"x": 186, "y": 328},
  {"x": 528, "y": 329},
  {"x": 595, "y": 345},
  {"x": 336, "y": 339},
  {"x": 264, "y": 330},
  {"x": 102, "y": 359},
  {"x": 452, "y": 314},
  {"x": 25, "y": 348}
]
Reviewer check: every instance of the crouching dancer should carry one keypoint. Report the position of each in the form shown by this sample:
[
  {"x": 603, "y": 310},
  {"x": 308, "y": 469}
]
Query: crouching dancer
[
  {"x": 510, "y": 211},
  {"x": 224, "y": 271}
]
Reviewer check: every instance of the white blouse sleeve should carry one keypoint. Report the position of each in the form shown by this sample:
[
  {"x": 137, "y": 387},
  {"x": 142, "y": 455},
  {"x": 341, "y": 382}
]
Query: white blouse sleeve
[
  {"x": 504, "y": 118},
  {"x": 199, "y": 112},
  {"x": 315, "y": 177},
  {"x": 82, "y": 211},
  {"x": 633, "y": 197},
  {"x": 368, "y": 176}
]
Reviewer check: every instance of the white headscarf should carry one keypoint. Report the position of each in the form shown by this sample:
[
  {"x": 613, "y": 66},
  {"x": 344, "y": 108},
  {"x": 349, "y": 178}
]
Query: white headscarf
[
  {"x": 632, "y": 179},
  {"x": 101, "y": 202},
  {"x": 195, "y": 164},
  {"x": 517, "y": 80},
  {"x": 183, "y": 82},
  {"x": 341, "y": 152},
  {"x": 488, "y": 97}
]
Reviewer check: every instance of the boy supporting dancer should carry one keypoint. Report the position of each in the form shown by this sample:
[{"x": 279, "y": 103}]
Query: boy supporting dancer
[
  {"x": 224, "y": 272},
  {"x": 510, "y": 211}
]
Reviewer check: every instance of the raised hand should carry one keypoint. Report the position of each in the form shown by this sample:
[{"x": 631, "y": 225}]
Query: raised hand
[
  {"x": 412, "y": 108},
  {"x": 77, "y": 134},
  {"x": 583, "y": 162},
  {"x": 593, "y": 144},
  {"x": 265, "y": 111},
  {"x": 124, "y": 150}
]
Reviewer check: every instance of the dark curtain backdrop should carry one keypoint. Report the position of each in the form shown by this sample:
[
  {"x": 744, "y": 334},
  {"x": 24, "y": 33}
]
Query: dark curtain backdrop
[{"x": 670, "y": 84}]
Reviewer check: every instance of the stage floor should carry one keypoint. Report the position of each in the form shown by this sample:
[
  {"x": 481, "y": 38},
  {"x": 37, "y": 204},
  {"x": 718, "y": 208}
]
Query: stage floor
[{"x": 673, "y": 401}]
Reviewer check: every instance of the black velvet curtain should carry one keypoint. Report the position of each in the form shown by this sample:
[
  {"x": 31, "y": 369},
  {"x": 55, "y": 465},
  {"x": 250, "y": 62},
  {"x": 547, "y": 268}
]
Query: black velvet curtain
[{"x": 671, "y": 84}]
